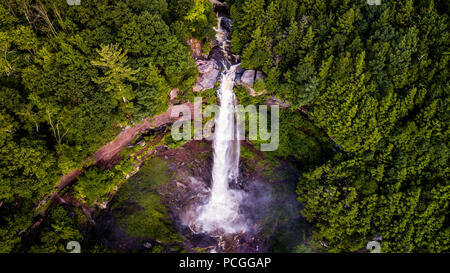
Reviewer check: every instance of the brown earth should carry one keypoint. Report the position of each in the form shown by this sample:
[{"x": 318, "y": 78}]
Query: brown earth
[{"x": 108, "y": 154}]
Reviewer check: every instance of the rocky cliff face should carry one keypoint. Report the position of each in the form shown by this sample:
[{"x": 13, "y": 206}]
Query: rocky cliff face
[{"x": 186, "y": 174}]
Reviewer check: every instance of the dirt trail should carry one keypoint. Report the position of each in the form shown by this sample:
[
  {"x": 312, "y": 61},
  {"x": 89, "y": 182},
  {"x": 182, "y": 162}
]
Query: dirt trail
[
  {"x": 113, "y": 148},
  {"x": 107, "y": 153}
]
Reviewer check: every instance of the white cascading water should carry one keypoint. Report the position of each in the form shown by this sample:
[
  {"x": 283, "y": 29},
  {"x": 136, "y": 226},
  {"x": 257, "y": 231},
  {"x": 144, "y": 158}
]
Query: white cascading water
[{"x": 221, "y": 213}]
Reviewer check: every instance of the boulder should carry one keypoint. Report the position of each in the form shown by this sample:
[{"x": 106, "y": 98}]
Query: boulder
[
  {"x": 248, "y": 77},
  {"x": 238, "y": 75},
  {"x": 173, "y": 93},
  {"x": 141, "y": 143},
  {"x": 239, "y": 70},
  {"x": 197, "y": 88},
  {"x": 259, "y": 75},
  {"x": 195, "y": 47},
  {"x": 205, "y": 66},
  {"x": 208, "y": 78}
]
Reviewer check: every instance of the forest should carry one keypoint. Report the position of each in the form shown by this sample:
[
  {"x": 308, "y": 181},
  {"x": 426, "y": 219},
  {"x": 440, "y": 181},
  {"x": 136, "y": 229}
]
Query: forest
[
  {"x": 376, "y": 80},
  {"x": 367, "y": 124}
]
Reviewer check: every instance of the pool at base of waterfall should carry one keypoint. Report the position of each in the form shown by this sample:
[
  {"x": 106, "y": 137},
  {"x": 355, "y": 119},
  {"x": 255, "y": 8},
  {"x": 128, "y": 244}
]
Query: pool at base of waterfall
[{"x": 150, "y": 211}]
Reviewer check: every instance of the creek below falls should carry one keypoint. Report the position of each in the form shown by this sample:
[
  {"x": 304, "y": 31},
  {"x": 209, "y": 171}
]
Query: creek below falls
[{"x": 219, "y": 196}]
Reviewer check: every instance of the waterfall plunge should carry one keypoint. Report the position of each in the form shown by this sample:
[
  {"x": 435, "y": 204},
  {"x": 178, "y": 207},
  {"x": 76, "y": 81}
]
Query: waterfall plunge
[{"x": 221, "y": 213}]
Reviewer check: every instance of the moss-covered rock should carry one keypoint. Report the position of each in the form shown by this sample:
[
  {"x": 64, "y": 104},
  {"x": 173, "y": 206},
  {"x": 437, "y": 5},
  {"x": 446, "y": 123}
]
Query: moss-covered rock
[{"x": 138, "y": 218}]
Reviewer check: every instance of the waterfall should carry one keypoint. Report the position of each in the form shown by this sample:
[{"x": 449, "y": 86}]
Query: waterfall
[{"x": 221, "y": 212}]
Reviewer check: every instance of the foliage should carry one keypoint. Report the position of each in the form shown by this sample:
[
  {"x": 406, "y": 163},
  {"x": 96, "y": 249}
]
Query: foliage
[
  {"x": 375, "y": 78},
  {"x": 146, "y": 216},
  {"x": 68, "y": 76},
  {"x": 117, "y": 72},
  {"x": 58, "y": 230}
]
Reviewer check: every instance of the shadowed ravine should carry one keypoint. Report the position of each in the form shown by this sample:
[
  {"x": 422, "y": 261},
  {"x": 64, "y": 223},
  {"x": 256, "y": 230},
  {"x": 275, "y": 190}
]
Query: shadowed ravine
[
  {"x": 234, "y": 209},
  {"x": 223, "y": 196}
]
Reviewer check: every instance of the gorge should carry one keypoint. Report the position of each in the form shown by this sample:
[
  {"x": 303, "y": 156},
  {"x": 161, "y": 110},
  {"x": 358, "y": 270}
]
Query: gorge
[{"x": 217, "y": 202}]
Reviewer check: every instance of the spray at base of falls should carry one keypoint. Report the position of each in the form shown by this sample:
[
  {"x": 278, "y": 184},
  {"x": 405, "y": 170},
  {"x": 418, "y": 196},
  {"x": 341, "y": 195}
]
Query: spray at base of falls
[{"x": 221, "y": 213}]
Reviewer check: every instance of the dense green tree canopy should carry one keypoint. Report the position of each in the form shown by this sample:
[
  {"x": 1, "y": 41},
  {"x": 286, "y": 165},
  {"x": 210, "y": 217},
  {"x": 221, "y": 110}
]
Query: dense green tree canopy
[
  {"x": 375, "y": 78},
  {"x": 69, "y": 75}
]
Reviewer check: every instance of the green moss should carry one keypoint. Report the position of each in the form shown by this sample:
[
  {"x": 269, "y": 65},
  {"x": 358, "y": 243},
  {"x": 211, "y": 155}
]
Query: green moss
[
  {"x": 139, "y": 210},
  {"x": 245, "y": 98},
  {"x": 172, "y": 143},
  {"x": 259, "y": 85},
  {"x": 201, "y": 250},
  {"x": 303, "y": 248},
  {"x": 203, "y": 145},
  {"x": 206, "y": 48},
  {"x": 176, "y": 248},
  {"x": 157, "y": 249},
  {"x": 186, "y": 95},
  {"x": 247, "y": 157},
  {"x": 210, "y": 96}
]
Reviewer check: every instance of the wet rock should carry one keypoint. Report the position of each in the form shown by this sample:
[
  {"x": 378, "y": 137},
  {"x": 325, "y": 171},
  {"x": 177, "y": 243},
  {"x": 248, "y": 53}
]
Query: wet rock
[
  {"x": 173, "y": 94},
  {"x": 208, "y": 78},
  {"x": 147, "y": 245},
  {"x": 239, "y": 70},
  {"x": 214, "y": 44},
  {"x": 203, "y": 241},
  {"x": 248, "y": 77},
  {"x": 238, "y": 74},
  {"x": 259, "y": 75},
  {"x": 276, "y": 101},
  {"x": 205, "y": 66},
  {"x": 196, "y": 47},
  {"x": 141, "y": 143}
]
